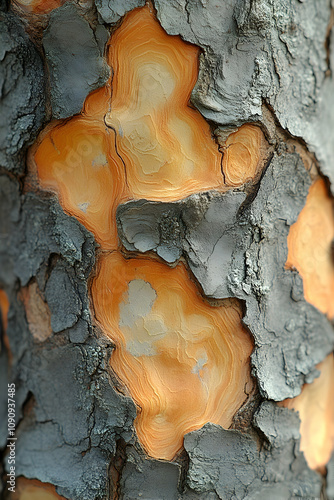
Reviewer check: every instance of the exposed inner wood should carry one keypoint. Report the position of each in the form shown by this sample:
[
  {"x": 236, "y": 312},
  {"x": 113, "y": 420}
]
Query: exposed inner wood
[
  {"x": 243, "y": 152},
  {"x": 166, "y": 145},
  {"x": 39, "y": 6},
  {"x": 310, "y": 248},
  {"x": 183, "y": 361},
  {"x": 31, "y": 489},
  {"x": 78, "y": 160},
  {"x": 315, "y": 405}
]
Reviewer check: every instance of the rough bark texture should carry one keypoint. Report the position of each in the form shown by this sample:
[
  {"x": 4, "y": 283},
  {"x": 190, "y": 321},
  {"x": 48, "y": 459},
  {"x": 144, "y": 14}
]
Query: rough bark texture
[
  {"x": 75, "y": 63},
  {"x": 262, "y": 61},
  {"x": 22, "y": 92}
]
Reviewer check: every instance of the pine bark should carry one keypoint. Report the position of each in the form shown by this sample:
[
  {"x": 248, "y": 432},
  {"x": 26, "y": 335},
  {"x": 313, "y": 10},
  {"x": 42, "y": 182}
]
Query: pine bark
[{"x": 266, "y": 62}]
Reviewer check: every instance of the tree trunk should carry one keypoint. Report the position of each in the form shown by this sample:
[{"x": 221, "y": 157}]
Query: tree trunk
[{"x": 166, "y": 249}]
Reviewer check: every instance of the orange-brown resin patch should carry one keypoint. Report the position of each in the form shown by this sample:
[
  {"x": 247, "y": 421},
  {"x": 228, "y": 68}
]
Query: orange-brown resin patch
[
  {"x": 184, "y": 362},
  {"x": 310, "y": 248},
  {"x": 315, "y": 405},
  {"x": 31, "y": 489}
]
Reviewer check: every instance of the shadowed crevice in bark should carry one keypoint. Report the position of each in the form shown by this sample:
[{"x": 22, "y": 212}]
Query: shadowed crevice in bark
[{"x": 115, "y": 470}]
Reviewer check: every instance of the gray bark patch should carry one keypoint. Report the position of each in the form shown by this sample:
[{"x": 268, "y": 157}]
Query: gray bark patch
[
  {"x": 75, "y": 60},
  {"x": 22, "y": 100},
  {"x": 148, "y": 479},
  {"x": 203, "y": 228},
  {"x": 63, "y": 300},
  {"x": 330, "y": 478},
  {"x": 112, "y": 10},
  {"x": 235, "y": 466},
  {"x": 70, "y": 436}
]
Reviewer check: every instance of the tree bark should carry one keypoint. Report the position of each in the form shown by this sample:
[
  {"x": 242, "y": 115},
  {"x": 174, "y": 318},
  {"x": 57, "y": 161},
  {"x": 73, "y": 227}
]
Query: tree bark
[{"x": 265, "y": 89}]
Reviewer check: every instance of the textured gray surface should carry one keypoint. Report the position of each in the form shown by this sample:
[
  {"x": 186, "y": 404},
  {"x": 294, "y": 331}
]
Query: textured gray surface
[
  {"x": 190, "y": 494},
  {"x": 75, "y": 422},
  {"x": 237, "y": 466},
  {"x": 61, "y": 296},
  {"x": 112, "y": 10},
  {"x": 291, "y": 335},
  {"x": 69, "y": 435},
  {"x": 260, "y": 51},
  {"x": 204, "y": 228},
  {"x": 238, "y": 248},
  {"x": 22, "y": 101},
  {"x": 74, "y": 54},
  {"x": 148, "y": 479},
  {"x": 40, "y": 228}
]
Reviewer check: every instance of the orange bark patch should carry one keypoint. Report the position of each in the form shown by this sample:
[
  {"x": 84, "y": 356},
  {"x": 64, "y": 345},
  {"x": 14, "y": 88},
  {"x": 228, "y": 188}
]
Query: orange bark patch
[
  {"x": 77, "y": 159},
  {"x": 4, "y": 307},
  {"x": 184, "y": 362},
  {"x": 39, "y": 6},
  {"x": 31, "y": 489},
  {"x": 315, "y": 405},
  {"x": 310, "y": 248},
  {"x": 37, "y": 311},
  {"x": 166, "y": 145},
  {"x": 243, "y": 152}
]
